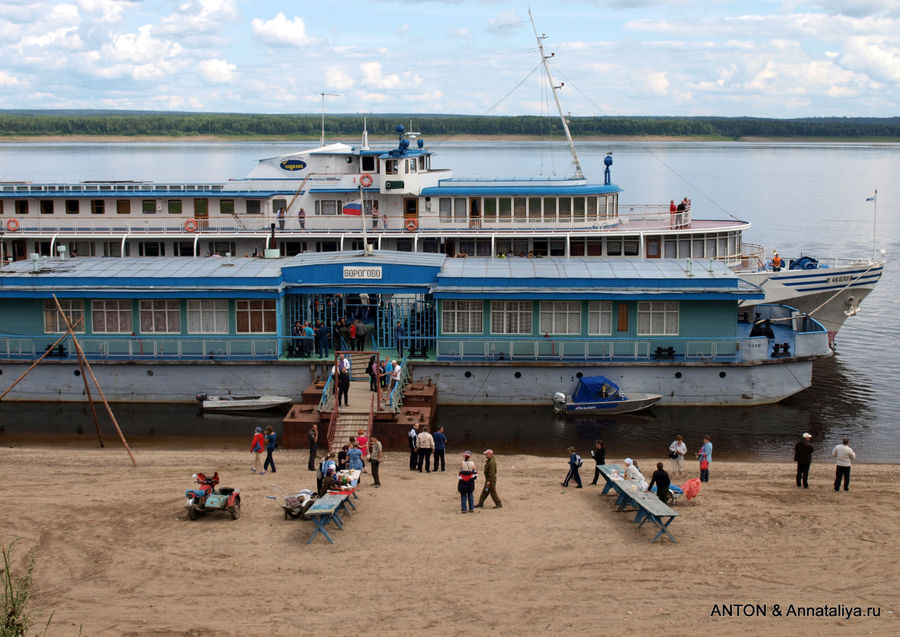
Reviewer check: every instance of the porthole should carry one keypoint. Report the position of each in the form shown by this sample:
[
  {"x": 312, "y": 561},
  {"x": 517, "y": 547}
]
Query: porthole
[
  {"x": 579, "y": 375},
  {"x": 518, "y": 374},
  {"x": 149, "y": 372},
  {"x": 77, "y": 372},
  {"x": 677, "y": 374},
  {"x": 468, "y": 374},
  {"x": 722, "y": 374}
]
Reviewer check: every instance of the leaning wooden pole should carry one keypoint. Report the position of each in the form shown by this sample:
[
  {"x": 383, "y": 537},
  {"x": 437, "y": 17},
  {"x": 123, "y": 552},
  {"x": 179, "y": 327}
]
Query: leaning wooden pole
[
  {"x": 82, "y": 357},
  {"x": 90, "y": 398},
  {"x": 34, "y": 364}
]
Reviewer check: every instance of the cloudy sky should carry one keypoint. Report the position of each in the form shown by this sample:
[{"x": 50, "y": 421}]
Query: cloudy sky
[{"x": 769, "y": 58}]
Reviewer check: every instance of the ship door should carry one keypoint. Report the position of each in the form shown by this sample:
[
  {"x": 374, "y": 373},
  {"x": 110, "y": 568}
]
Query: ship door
[
  {"x": 474, "y": 212},
  {"x": 18, "y": 250},
  {"x": 201, "y": 213},
  {"x": 652, "y": 247},
  {"x": 411, "y": 213}
]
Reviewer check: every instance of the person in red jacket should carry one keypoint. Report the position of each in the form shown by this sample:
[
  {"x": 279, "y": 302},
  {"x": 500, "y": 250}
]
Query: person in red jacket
[{"x": 256, "y": 449}]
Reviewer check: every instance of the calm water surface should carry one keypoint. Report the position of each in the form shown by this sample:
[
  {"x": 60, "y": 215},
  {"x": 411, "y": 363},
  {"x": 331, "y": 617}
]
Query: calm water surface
[{"x": 800, "y": 197}]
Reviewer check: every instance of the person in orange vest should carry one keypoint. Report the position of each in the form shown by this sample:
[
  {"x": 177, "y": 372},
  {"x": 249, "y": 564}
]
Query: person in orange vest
[{"x": 776, "y": 261}]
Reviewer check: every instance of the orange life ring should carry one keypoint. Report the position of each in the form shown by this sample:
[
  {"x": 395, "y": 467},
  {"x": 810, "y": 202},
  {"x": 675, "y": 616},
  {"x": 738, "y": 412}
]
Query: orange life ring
[
  {"x": 365, "y": 181},
  {"x": 412, "y": 225},
  {"x": 190, "y": 225},
  {"x": 12, "y": 225}
]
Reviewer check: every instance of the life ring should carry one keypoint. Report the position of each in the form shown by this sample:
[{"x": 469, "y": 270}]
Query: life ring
[
  {"x": 12, "y": 225},
  {"x": 412, "y": 225},
  {"x": 365, "y": 181},
  {"x": 190, "y": 225}
]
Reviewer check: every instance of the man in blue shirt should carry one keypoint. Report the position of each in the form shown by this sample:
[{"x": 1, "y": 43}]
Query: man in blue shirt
[{"x": 440, "y": 443}]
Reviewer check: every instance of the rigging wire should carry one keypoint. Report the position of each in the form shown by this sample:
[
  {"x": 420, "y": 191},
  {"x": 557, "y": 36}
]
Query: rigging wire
[{"x": 513, "y": 89}]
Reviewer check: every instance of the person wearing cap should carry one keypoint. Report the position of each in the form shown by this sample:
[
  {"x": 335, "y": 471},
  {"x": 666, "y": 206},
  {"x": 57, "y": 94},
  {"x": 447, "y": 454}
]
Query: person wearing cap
[
  {"x": 574, "y": 462},
  {"x": 803, "y": 452},
  {"x": 632, "y": 472},
  {"x": 466, "y": 483},
  {"x": 490, "y": 481},
  {"x": 256, "y": 449},
  {"x": 776, "y": 261}
]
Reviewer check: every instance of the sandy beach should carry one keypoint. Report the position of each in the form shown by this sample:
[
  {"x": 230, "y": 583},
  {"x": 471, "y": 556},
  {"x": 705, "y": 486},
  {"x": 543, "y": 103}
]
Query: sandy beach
[{"x": 117, "y": 555}]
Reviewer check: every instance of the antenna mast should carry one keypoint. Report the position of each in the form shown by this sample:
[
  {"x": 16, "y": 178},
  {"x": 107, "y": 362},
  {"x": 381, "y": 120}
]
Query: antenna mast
[
  {"x": 324, "y": 95},
  {"x": 578, "y": 173}
]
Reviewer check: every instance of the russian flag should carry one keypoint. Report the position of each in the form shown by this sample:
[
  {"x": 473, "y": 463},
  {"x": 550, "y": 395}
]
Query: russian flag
[{"x": 352, "y": 209}]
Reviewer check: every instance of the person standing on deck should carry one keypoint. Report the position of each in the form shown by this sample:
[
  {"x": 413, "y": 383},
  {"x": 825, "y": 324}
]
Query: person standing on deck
[
  {"x": 310, "y": 334},
  {"x": 490, "y": 481},
  {"x": 400, "y": 335},
  {"x": 281, "y": 214},
  {"x": 343, "y": 383},
  {"x": 301, "y": 217},
  {"x": 844, "y": 455},
  {"x": 803, "y": 452}
]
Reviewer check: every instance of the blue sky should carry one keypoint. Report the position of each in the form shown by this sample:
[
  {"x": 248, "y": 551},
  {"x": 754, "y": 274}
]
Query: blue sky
[{"x": 616, "y": 57}]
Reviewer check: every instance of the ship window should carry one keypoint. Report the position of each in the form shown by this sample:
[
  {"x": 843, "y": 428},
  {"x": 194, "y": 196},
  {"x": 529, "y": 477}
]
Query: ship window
[
  {"x": 519, "y": 208},
  {"x": 560, "y": 317},
  {"x": 520, "y": 247},
  {"x": 576, "y": 247},
  {"x": 557, "y": 247},
  {"x": 614, "y": 247},
  {"x": 110, "y": 316},
  {"x": 632, "y": 247},
  {"x": 684, "y": 248},
  {"x": 221, "y": 248},
  {"x": 404, "y": 245},
  {"x": 504, "y": 247},
  {"x": 462, "y": 317},
  {"x": 711, "y": 247},
  {"x": 670, "y": 249},
  {"x": 201, "y": 207},
  {"x": 466, "y": 246},
  {"x": 184, "y": 248},
  {"x": 540, "y": 247},
  {"x": 595, "y": 247},
  {"x": 657, "y": 318},
  {"x": 505, "y": 209},
  {"x": 697, "y": 248},
  {"x": 445, "y": 209},
  {"x": 46, "y": 206},
  {"x": 578, "y": 209},
  {"x": 151, "y": 249},
  {"x": 390, "y": 166},
  {"x": 722, "y": 248},
  {"x": 98, "y": 206},
  {"x": 160, "y": 317},
  {"x": 622, "y": 318},
  {"x": 53, "y": 321},
  {"x": 123, "y": 207},
  {"x": 21, "y": 206},
  {"x": 421, "y": 163},
  {"x": 591, "y": 208},
  {"x": 600, "y": 318},
  {"x": 565, "y": 208},
  {"x": 511, "y": 317},
  {"x": 255, "y": 316},
  {"x": 534, "y": 208},
  {"x": 72, "y": 206},
  {"x": 226, "y": 206},
  {"x": 490, "y": 208},
  {"x": 459, "y": 210},
  {"x": 174, "y": 206},
  {"x": 148, "y": 206},
  {"x": 207, "y": 316},
  {"x": 411, "y": 165},
  {"x": 549, "y": 209},
  {"x": 732, "y": 245},
  {"x": 114, "y": 249},
  {"x": 326, "y": 207},
  {"x": 368, "y": 164}
]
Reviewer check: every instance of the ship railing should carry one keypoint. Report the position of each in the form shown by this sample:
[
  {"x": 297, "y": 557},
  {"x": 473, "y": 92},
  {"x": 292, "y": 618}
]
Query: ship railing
[
  {"x": 136, "y": 348},
  {"x": 654, "y": 216}
]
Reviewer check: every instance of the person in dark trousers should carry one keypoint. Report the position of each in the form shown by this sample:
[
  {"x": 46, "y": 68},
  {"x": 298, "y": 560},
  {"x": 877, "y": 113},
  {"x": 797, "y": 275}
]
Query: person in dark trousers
[
  {"x": 313, "y": 435},
  {"x": 844, "y": 454},
  {"x": 574, "y": 463},
  {"x": 271, "y": 440},
  {"x": 598, "y": 453},
  {"x": 400, "y": 335},
  {"x": 413, "y": 437},
  {"x": 661, "y": 479},
  {"x": 490, "y": 481},
  {"x": 440, "y": 445},
  {"x": 343, "y": 385},
  {"x": 803, "y": 452},
  {"x": 376, "y": 453}
]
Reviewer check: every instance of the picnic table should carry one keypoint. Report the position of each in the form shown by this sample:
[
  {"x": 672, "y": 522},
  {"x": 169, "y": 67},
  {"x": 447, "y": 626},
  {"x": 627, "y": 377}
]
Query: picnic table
[
  {"x": 327, "y": 509},
  {"x": 629, "y": 494}
]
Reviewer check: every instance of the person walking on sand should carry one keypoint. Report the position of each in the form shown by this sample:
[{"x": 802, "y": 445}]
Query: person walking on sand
[
  {"x": 803, "y": 452},
  {"x": 676, "y": 452},
  {"x": 271, "y": 441},
  {"x": 490, "y": 481},
  {"x": 256, "y": 448},
  {"x": 440, "y": 444},
  {"x": 705, "y": 457},
  {"x": 844, "y": 455},
  {"x": 466, "y": 483},
  {"x": 661, "y": 479},
  {"x": 313, "y": 435},
  {"x": 575, "y": 462},
  {"x": 598, "y": 453},
  {"x": 376, "y": 453}
]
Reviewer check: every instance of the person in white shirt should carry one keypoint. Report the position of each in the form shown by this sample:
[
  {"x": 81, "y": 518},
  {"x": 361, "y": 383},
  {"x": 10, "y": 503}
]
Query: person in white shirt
[
  {"x": 844, "y": 455},
  {"x": 679, "y": 449},
  {"x": 632, "y": 472},
  {"x": 425, "y": 445}
]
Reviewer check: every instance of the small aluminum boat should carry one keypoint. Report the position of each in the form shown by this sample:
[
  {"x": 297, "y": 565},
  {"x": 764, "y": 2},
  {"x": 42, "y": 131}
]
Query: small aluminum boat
[
  {"x": 241, "y": 403},
  {"x": 599, "y": 395}
]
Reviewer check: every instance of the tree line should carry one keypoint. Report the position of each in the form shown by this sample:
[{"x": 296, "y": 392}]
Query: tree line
[{"x": 142, "y": 123}]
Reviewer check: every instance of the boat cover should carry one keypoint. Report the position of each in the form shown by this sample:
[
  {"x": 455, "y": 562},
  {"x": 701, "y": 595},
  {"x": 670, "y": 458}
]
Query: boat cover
[{"x": 591, "y": 389}]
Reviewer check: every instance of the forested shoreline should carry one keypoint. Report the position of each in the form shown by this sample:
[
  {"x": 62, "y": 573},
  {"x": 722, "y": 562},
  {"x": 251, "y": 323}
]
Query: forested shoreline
[{"x": 175, "y": 124}]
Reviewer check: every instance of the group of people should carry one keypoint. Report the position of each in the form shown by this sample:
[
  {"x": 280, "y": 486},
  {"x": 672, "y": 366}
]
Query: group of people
[
  {"x": 281, "y": 215},
  {"x": 421, "y": 447},
  {"x": 682, "y": 206},
  {"x": 263, "y": 441},
  {"x": 467, "y": 477},
  {"x": 843, "y": 456},
  {"x": 353, "y": 456},
  {"x": 384, "y": 374}
]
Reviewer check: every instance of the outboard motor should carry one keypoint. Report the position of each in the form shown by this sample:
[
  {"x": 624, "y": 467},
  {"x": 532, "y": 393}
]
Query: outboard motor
[
  {"x": 559, "y": 401},
  {"x": 201, "y": 397}
]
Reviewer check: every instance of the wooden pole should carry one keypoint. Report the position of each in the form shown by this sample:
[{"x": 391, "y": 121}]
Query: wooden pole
[
  {"x": 90, "y": 398},
  {"x": 42, "y": 357},
  {"x": 83, "y": 359}
]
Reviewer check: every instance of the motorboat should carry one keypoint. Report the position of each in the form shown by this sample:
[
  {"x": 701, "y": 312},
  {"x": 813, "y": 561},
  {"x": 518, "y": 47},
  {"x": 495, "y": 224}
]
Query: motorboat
[
  {"x": 600, "y": 395},
  {"x": 241, "y": 403}
]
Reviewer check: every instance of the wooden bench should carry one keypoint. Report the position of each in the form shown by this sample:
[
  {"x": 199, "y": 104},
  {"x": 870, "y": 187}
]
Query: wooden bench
[{"x": 326, "y": 509}]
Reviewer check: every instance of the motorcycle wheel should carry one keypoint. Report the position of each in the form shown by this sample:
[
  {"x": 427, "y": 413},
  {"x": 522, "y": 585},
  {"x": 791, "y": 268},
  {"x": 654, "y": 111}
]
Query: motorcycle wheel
[
  {"x": 192, "y": 513},
  {"x": 235, "y": 511}
]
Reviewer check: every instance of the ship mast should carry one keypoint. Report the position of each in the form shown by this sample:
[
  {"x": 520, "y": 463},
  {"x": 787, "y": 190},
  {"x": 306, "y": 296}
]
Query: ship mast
[{"x": 578, "y": 173}]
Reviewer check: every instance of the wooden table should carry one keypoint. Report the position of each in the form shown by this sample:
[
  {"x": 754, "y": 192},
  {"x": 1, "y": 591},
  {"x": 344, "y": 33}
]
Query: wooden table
[
  {"x": 648, "y": 505},
  {"x": 326, "y": 509}
]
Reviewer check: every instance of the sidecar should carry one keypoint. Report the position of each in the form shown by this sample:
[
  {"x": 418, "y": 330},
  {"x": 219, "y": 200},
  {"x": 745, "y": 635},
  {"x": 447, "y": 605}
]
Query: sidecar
[{"x": 207, "y": 497}]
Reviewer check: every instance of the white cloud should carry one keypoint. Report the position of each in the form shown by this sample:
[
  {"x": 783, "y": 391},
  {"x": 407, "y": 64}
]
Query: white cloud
[
  {"x": 8, "y": 80},
  {"x": 199, "y": 17},
  {"x": 873, "y": 58},
  {"x": 106, "y": 10},
  {"x": 861, "y": 8},
  {"x": 217, "y": 71},
  {"x": 656, "y": 83},
  {"x": 280, "y": 30},
  {"x": 338, "y": 79},
  {"x": 507, "y": 23}
]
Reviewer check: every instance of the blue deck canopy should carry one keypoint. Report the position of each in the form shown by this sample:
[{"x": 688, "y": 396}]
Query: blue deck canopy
[{"x": 591, "y": 389}]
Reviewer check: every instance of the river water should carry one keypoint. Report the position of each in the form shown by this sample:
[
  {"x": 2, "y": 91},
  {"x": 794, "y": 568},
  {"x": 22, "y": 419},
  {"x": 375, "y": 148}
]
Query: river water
[{"x": 800, "y": 197}]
